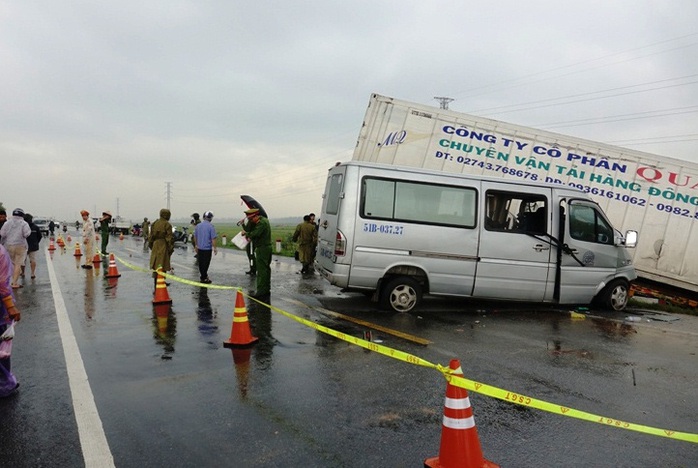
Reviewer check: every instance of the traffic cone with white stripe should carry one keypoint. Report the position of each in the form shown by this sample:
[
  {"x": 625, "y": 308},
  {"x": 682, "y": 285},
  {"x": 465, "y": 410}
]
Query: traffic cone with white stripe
[
  {"x": 240, "y": 334},
  {"x": 460, "y": 444},
  {"x": 50, "y": 245},
  {"x": 161, "y": 295},
  {"x": 97, "y": 260},
  {"x": 113, "y": 272},
  {"x": 77, "y": 253}
]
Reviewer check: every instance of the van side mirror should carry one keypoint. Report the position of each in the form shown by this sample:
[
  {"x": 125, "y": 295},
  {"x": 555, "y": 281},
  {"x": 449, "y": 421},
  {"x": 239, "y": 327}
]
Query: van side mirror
[{"x": 630, "y": 239}]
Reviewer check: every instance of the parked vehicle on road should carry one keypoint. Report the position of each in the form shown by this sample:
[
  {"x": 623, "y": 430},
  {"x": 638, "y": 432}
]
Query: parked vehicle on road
[
  {"x": 649, "y": 193},
  {"x": 399, "y": 233},
  {"x": 42, "y": 224}
]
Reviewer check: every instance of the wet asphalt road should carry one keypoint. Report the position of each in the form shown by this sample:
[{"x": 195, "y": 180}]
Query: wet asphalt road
[{"x": 168, "y": 393}]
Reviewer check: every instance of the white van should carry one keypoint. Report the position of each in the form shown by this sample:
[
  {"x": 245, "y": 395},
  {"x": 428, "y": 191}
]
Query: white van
[{"x": 402, "y": 232}]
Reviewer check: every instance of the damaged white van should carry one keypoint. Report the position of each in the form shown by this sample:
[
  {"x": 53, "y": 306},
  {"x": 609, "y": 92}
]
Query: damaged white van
[{"x": 398, "y": 233}]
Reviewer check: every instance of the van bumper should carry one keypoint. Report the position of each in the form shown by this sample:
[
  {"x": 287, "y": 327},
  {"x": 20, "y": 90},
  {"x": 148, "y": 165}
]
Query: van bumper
[{"x": 338, "y": 276}]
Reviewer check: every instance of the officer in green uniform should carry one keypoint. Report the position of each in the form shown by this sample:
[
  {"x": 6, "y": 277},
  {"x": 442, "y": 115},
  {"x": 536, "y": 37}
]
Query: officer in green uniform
[
  {"x": 104, "y": 231},
  {"x": 258, "y": 230}
]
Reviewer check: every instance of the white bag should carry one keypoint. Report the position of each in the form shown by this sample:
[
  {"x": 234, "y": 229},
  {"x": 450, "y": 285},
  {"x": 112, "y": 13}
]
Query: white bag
[
  {"x": 9, "y": 332},
  {"x": 240, "y": 241}
]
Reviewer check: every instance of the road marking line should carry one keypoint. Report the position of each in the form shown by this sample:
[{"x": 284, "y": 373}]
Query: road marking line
[
  {"x": 95, "y": 448},
  {"x": 178, "y": 265},
  {"x": 390, "y": 331}
]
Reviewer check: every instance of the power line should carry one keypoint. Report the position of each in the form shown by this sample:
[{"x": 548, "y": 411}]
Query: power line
[
  {"x": 622, "y": 117},
  {"x": 548, "y": 73},
  {"x": 532, "y": 104}
]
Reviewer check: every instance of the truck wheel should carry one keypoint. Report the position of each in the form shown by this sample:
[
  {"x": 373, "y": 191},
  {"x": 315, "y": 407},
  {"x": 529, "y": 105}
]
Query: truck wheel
[
  {"x": 401, "y": 294},
  {"x": 614, "y": 296}
]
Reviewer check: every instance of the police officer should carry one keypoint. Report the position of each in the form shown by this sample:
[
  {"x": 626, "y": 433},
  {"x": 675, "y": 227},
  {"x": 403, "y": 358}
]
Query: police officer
[{"x": 258, "y": 230}]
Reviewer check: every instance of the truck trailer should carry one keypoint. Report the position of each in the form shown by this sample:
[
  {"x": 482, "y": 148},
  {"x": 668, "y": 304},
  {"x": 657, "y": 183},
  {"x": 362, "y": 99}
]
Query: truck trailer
[{"x": 654, "y": 195}]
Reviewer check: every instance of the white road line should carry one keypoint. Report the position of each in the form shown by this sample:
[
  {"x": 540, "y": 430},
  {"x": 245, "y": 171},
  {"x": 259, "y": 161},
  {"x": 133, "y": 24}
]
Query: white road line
[{"x": 95, "y": 449}]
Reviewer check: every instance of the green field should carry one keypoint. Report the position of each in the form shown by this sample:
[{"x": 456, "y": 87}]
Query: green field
[{"x": 280, "y": 232}]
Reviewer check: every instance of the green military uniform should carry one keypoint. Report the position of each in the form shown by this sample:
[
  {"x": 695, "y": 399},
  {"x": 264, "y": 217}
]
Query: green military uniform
[
  {"x": 104, "y": 231},
  {"x": 145, "y": 229},
  {"x": 306, "y": 236},
  {"x": 260, "y": 234},
  {"x": 161, "y": 242}
]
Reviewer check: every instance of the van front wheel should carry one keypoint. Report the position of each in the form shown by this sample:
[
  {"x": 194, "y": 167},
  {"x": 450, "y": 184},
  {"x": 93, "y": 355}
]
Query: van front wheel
[
  {"x": 401, "y": 294},
  {"x": 614, "y": 296}
]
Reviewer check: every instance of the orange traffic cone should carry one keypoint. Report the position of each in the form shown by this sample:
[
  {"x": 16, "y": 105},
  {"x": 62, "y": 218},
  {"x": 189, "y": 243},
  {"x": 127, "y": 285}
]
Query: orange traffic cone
[
  {"x": 50, "y": 245},
  {"x": 60, "y": 241},
  {"x": 70, "y": 238},
  {"x": 460, "y": 444},
  {"x": 97, "y": 260},
  {"x": 77, "y": 250},
  {"x": 121, "y": 236},
  {"x": 161, "y": 295},
  {"x": 113, "y": 272},
  {"x": 240, "y": 334}
]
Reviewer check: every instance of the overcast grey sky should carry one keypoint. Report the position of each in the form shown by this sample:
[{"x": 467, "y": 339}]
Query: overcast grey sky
[{"x": 104, "y": 102}]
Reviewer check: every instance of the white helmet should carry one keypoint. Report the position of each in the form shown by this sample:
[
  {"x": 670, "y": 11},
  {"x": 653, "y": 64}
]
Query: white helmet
[{"x": 208, "y": 215}]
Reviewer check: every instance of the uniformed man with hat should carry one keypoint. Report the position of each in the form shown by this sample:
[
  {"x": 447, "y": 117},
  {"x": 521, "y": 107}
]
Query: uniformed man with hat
[
  {"x": 258, "y": 230},
  {"x": 104, "y": 231}
]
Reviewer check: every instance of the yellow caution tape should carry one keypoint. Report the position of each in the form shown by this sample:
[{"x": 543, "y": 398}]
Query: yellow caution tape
[
  {"x": 525, "y": 400},
  {"x": 175, "y": 278},
  {"x": 488, "y": 390},
  {"x": 458, "y": 381}
]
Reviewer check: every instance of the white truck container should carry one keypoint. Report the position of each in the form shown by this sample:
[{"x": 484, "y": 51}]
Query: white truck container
[
  {"x": 402, "y": 232},
  {"x": 654, "y": 195}
]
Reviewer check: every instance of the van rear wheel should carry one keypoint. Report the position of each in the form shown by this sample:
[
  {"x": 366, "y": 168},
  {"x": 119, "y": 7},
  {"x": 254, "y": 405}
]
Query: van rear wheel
[
  {"x": 401, "y": 294},
  {"x": 614, "y": 296}
]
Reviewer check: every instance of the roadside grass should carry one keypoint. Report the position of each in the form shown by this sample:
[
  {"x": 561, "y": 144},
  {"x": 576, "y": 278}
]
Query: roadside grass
[
  {"x": 281, "y": 232},
  {"x": 669, "y": 308}
]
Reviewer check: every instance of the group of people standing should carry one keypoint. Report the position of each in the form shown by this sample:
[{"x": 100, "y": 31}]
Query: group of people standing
[
  {"x": 257, "y": 229},
  {"x": 19, "y": 240},
  {"x": 89, "y": 237},
  {"x": 20, "y": 237}
]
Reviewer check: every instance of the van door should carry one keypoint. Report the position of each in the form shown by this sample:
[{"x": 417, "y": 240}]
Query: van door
[
  {"x": 516, "y": 258},
  {"x": 593, "y": 256},
  {"x": 328, "y": 228}
]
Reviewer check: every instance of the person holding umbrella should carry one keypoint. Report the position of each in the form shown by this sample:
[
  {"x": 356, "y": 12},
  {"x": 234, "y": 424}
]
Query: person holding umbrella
[{"x": 258, "y": 230}]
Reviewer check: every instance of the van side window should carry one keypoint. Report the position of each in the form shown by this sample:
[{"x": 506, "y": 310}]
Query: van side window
[
  {"x": 587, "y": 224},
  {"x": 417, "y": 202},
  {"x": 516, "y": 212},
  {"x": 333, "y": 194}
]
